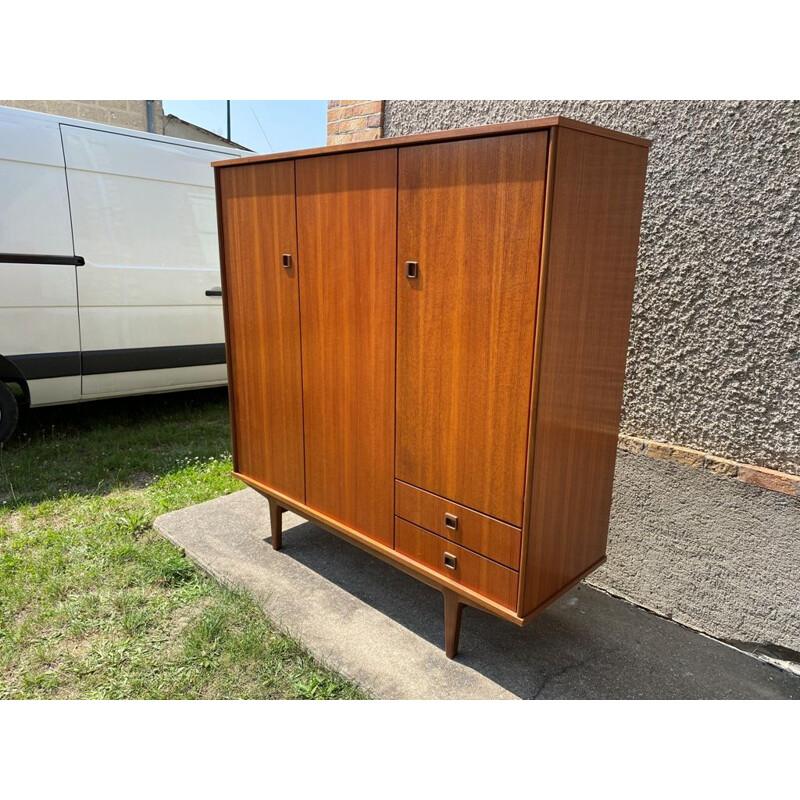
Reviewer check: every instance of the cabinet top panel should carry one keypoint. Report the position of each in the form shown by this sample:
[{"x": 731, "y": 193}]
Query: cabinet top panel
[{"x": 441, "y": 136}]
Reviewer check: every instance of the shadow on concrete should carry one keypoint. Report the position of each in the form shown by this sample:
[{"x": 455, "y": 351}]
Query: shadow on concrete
[{"x": 587, "y": 645}]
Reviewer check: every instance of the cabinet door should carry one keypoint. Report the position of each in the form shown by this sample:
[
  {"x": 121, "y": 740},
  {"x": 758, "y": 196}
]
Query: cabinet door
[
  {"x": 470, "y": 215},
  {"x": 257, "y": 204},
  {"x": 346, "y": 212}
]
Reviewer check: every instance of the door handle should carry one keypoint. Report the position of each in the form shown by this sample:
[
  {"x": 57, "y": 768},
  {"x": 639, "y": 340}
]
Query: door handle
[
  {"x": 214, "y": 291},
  {"x": 412, "y": 269}
]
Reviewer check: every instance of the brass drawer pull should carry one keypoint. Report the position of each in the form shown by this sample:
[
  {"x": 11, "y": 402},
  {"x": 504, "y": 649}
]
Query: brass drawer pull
[
  {"x": 450, "y": 560},
  {"x": 451, "y": 521}
]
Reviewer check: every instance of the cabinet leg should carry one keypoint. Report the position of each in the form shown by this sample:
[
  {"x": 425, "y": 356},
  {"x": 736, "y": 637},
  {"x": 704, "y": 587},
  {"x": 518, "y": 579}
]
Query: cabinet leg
[
  {"x": 276, "y": 522},
  {"x": 452, "y": 622}
]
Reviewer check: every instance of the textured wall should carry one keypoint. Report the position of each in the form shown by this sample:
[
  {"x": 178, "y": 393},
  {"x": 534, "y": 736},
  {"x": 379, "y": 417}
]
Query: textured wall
[
  {"x": 709, "y": 552},
  {"x": 714, "y": 358},
  {"x": 125, "y": 113}
]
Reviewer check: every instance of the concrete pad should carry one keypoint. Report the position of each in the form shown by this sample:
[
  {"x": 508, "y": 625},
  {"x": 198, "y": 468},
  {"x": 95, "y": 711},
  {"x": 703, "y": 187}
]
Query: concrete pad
[{"x": 384, "y": 629}]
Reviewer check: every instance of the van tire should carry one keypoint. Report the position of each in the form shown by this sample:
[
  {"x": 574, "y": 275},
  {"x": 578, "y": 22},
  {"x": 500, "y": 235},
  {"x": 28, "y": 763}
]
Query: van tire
[{"x": 9, "y": 412}]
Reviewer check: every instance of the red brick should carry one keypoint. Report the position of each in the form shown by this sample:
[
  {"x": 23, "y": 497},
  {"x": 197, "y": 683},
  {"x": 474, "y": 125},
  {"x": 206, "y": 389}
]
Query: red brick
[
  {"x": 360, "y": 110},
  {"x": 349, "y": 117},
  {"x": 770, "y": 479},
  {"x": 368, "y": 134},
  {"x": 348, "y": 124}
]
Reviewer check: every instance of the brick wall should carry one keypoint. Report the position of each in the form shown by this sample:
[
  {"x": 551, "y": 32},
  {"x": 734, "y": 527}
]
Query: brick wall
[
  {"x": 354, "y": 120},
  {"x": 124, "y": 113}
]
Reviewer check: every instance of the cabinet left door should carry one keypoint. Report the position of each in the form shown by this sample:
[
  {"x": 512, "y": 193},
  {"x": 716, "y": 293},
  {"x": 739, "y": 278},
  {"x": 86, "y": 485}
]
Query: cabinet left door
[{"x": 262, "y": 309}]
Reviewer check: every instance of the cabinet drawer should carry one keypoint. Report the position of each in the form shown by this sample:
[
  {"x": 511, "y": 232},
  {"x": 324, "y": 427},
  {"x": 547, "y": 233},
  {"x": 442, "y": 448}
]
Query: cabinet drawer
[
  {"x": 484, "y": 535},
  {"x": 467, "y": 568}
]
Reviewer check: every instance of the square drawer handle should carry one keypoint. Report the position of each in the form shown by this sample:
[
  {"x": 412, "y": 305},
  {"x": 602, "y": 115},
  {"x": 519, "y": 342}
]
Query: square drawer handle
[
  {"x": 451, "y": 521},
  {"x": 450, "y": 560},
  {"x": 412, "y": 269}
]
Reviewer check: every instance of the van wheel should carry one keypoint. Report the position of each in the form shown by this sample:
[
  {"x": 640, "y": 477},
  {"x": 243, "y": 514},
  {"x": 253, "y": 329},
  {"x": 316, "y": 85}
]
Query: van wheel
[{"x": 9, "y": 412}]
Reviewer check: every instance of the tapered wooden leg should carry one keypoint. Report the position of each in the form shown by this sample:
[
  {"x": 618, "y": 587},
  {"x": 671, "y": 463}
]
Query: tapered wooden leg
[
  {"x": 276, "y": 521},
  {"x": 452, "y": 622}
]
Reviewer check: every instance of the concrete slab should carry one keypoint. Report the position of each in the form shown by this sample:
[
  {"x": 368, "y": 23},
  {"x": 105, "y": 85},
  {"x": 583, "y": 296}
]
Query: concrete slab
[{"x": 384, "y": 629}]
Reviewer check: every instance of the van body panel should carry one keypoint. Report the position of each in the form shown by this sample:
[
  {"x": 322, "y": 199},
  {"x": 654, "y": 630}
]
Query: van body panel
[
  {"x": 143, "y": 212},
  {"x": 143, "y": 291},
  {"x": 38, "y": 302},
  {"x": 55, "y": 391},
  {"x": 34, "y": 212},
  {"x": 167, "y": 380}
]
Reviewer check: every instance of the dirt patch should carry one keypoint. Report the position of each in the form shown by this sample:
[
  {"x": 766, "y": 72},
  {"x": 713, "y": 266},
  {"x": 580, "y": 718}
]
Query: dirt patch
[{"x": 139, "y": 480}]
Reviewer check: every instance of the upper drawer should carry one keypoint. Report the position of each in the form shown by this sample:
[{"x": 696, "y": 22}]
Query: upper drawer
[{"x": 484, "y": 535}]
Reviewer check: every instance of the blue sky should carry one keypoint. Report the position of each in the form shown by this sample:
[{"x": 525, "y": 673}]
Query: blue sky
[{"x": 287, "y": 124}]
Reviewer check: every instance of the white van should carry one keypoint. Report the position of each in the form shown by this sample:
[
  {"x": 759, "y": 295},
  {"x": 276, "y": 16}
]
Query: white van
[{"x": 109, "y": 263}]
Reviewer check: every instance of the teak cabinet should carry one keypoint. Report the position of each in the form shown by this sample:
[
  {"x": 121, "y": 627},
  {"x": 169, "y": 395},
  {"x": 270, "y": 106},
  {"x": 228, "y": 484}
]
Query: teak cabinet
[{"x": 426, "y": 348}]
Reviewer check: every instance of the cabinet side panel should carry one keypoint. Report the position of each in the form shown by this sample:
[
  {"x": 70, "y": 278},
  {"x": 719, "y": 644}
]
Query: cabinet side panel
[
  {"x": 347, "y": 214},
  {"x": 257, "y": 212},
  {"x": 593, "y": 241}
]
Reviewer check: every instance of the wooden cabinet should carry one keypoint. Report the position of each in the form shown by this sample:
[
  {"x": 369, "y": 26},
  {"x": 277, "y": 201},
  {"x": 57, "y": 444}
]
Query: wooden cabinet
[{"x": 426, "y": 348}]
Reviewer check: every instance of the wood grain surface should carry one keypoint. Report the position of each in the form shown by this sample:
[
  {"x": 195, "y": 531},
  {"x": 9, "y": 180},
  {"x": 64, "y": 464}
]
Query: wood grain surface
[
  {"x": 346, "y": 212},
  {"x": 487, "y": 388},
  {"x": 492, "y": 580},
  {"x": 385, "y": 553},
  {"x": 262, "y": 312},
  {"x": 597, "y": 200},
  {"x": 519, "y": 126},
  {"x": 488, "y": 537},
  {"x": 470, "y": 213}
]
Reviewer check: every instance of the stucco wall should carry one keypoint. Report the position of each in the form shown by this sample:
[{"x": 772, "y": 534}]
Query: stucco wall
[
  {"x": 710, "y": 552},
  {"x": 714, "y": 357}
]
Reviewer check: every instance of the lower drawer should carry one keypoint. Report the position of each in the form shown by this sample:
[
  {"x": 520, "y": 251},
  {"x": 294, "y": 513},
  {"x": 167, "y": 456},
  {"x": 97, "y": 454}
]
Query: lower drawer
[{"x": 472, "y": 571}]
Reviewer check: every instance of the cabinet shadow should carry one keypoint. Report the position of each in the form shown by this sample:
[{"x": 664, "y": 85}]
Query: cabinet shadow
[{"x": 587, "y": 645}]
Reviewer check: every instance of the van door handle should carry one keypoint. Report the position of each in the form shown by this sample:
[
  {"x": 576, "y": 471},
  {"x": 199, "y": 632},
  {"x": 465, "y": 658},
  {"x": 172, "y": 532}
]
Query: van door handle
[
  {"x": 33, "y": 258},
  {"x": 214, "y": 291}
]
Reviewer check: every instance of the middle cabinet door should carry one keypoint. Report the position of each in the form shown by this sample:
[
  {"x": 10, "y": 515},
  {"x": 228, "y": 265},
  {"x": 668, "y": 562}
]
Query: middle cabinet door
[
  {"x": 470, "y": 223},
  {"x": 346, "y": 230}
]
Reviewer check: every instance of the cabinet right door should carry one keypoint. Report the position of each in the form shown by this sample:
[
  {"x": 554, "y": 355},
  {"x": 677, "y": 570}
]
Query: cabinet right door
[{"x": 470, "y": 216}]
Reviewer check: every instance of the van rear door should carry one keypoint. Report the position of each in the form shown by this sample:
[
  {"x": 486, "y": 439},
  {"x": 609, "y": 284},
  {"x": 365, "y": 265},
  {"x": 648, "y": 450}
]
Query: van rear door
[{"x": 144, "y": 220}]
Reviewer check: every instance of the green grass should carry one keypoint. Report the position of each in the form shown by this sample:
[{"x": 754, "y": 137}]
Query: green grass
[{"x": 93, "y": 602}]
